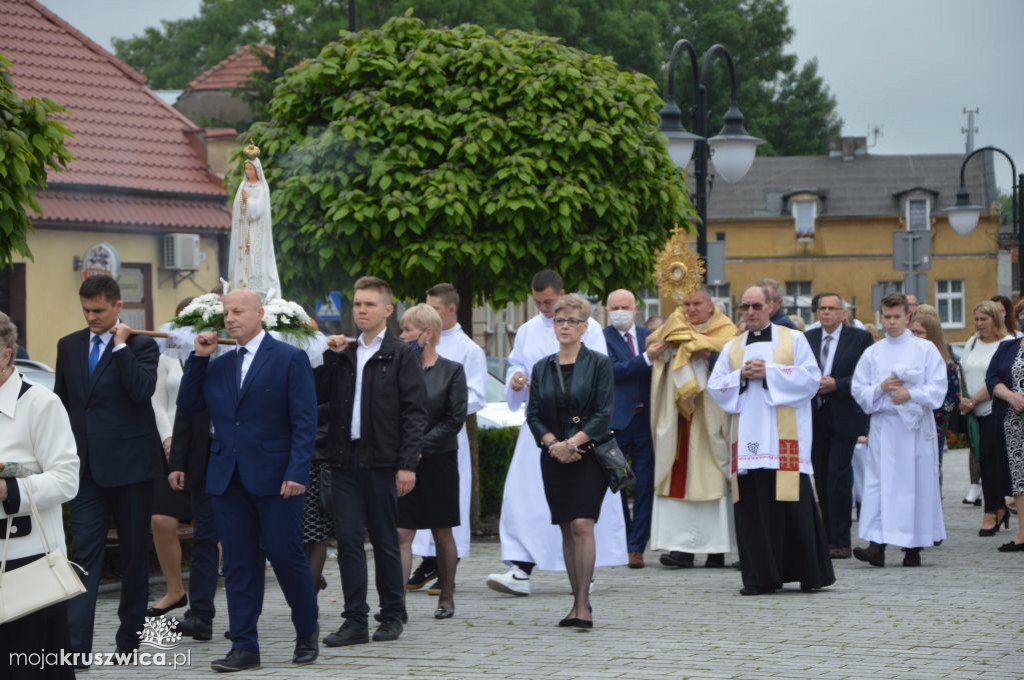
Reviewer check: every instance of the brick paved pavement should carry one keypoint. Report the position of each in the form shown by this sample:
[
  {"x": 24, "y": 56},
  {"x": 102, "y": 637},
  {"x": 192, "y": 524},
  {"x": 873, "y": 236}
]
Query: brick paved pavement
[{"x": 957, "y": 616}]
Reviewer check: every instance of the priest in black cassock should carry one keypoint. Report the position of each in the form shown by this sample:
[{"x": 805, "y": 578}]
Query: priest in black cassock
[{"x": 766, "y": 378}]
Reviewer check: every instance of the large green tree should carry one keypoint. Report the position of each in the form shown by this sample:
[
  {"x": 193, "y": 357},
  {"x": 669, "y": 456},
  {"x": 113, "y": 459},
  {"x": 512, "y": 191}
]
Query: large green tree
[
  {"x": 31, "y": 142},
  {"x": 426, "y": 154},
  {"x": 791, "y": 108}
]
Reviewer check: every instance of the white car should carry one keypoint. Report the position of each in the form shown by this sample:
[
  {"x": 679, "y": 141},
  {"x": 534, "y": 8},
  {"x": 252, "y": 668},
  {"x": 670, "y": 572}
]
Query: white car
[{"x": 497, "y": 413}]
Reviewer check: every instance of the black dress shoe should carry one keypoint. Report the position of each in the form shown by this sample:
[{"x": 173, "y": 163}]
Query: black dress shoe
[
  {"x": 444, "y": 613},
  {"x": 683, "y": 560},
  {"x": 160, "y": 611},
  {"x": 1011, "y": 547},
  {"x": 388, "y": 631},
  {"x": 124, "y": 656},
  {"x": 349, "y": 634},
  {"x": 237, "y": 660},
  {"x": 758, "y": 590},
  {"x": 191, "y": 625},
  {"x": 912, "y": 558},
  {"x": 582, "y": 624},
  {"x": 307, "y": 648}
]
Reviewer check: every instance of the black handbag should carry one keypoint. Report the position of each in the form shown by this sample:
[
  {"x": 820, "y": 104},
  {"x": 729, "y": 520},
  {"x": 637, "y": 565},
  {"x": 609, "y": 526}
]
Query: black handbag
[
  {"x": 613, "y": 461},
  {"x": 607, "y": 452}
]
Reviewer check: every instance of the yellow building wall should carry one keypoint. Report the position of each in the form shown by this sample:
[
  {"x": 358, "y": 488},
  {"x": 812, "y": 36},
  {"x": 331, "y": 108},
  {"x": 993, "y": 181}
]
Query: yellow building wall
[
  {"x": 52, "y": 307},
  {"x": 849, "y": 256}
]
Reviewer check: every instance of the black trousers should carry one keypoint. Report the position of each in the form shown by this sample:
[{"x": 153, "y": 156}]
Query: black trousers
[
  {"x": 131, "y": 505},
  {"x": 366, "y": 500},
  {"x": 995, "y": 469},
  {"x": 832, "y": 458},
  {"x": 202, "y": 582}
]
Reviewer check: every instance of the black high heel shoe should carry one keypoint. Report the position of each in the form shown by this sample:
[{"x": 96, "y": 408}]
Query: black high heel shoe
[{"x": 1004, "y": 521}]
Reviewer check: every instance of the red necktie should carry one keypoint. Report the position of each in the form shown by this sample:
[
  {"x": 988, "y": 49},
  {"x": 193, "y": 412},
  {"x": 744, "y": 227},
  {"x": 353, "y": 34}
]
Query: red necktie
[{"x": 629, "y": 343}]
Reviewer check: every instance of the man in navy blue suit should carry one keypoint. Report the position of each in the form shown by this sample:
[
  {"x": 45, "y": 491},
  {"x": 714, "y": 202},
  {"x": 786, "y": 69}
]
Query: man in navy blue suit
[
  {"x": 631, "y": 419},
  {"x": 262, "y": 404},
  {"x": 105, "y": 378}
]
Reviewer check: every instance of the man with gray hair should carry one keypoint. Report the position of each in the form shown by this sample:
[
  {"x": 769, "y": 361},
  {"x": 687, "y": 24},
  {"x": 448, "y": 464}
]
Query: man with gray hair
[
  {"x": 778, "y": 316},
  {"x": 631, "y": 421}
]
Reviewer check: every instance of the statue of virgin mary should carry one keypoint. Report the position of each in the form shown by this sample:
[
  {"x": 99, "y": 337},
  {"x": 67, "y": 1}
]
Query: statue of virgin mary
[{"x": 251, "y": 261}]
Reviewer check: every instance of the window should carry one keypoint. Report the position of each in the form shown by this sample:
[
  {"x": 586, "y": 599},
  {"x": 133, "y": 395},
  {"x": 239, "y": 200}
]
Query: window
[
  {"x": 797, "y": 299},
  {"x": 722, "y": 298},
  {"x": 949, "y": 301},
  {"x": 917, "y": 214},
  {"x": 648, "y": 305},
  {"x": 804, "y": 213}
]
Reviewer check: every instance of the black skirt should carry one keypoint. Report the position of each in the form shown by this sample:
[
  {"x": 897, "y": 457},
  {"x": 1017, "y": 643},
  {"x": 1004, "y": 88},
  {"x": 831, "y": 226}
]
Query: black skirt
[
  {"x": 167, "y": 501},
  {"x": 434, "y": 502},
  {"x": 780, "y": 541},
  {"x": 43, "y": 632},
  {"x": 573, "y": 490}
]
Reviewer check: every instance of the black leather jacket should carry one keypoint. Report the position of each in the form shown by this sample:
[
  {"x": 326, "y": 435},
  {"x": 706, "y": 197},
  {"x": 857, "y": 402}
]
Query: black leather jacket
[
  {"x": 393, "y": 418},
  {"x": 446, "y": 406},
  {"x": 591, "y": 396}
]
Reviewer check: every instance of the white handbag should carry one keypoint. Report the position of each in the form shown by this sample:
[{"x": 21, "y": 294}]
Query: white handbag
[{"x": 39, "y": 584}]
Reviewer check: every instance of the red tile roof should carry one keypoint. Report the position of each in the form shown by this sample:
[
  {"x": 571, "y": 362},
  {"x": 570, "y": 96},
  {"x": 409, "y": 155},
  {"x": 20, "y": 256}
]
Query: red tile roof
[
  {"x": 232, "y": 72},
  {"x": 127, "y": 141}
]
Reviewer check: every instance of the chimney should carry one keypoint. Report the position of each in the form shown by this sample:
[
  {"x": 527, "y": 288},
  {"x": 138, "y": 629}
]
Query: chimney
[{"x": 848, "y": 148}]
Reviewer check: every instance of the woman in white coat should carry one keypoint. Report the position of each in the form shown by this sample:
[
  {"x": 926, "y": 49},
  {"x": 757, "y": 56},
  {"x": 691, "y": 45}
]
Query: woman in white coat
[{"x": 38, "y": 453}]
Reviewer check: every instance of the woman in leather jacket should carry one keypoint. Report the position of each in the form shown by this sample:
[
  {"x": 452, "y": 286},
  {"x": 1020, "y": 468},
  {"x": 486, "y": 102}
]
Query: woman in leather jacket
[
  {"x": 570, "y": 407},
  {"x": 434, "y": 501}
]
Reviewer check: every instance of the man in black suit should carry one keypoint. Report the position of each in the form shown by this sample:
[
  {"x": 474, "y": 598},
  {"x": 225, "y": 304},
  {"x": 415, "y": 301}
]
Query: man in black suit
[
  {"x": 105, "y": 377},
  {"x": 190, "y": 455},
  {"x": 838, "y": 420},
  {"x": 376, "y": 393}
]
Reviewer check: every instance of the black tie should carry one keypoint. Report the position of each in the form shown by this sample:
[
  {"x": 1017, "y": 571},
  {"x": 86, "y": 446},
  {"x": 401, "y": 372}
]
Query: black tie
[{"x": 241, "y": 360}]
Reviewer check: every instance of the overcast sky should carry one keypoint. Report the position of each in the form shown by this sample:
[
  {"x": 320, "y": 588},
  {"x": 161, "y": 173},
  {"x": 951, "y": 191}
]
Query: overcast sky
[{"x": 908, "y": 66}]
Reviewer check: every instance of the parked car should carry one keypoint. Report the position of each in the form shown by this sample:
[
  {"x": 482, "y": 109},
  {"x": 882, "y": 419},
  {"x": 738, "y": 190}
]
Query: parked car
[
  {"x": 36, "y": 371},
  {"x": 497, "y": 413}
]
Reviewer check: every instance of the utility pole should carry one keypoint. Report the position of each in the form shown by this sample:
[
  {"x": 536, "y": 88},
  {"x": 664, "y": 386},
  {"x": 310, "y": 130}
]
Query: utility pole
[{"x": 970, "y": 129}]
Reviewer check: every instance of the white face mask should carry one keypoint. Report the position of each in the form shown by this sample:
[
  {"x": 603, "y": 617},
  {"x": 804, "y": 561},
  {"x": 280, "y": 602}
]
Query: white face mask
[{"x": 621, "y": 319}]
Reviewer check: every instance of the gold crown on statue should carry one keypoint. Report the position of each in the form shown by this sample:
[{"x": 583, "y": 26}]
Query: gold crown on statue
[
  {"x": 679, "y": 270},
  {"x": 252, "y": 152}
]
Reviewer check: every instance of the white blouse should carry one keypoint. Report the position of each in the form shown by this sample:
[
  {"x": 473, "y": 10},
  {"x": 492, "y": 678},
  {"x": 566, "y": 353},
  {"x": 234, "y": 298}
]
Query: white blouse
[
  {"x": 974, "y": 363},
  {"x": 165, "y": 398},
  {"x": 35, "y": 432}
]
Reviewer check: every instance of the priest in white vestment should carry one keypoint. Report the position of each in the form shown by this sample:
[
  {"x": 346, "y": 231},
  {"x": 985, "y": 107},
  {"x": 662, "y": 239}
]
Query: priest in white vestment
[
  {"x": 528, "y": 539},
  {"x": 767, "y": 377},
  {"x": 456, "y": 345},
  {"x": 899, "y": 382},
  {"x": 692, "y": 505}
]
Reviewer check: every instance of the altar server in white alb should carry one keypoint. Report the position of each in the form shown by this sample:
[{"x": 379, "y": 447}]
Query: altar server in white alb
[
  {"x": 767, "y": 377},
  {"x": 455, "y": 346},
  {"x": 528, "y": 539},
  {"x": 899, "y": 382}
]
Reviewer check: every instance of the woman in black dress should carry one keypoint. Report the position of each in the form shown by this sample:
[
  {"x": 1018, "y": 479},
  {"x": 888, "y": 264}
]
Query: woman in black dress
[
  {"x": 434, "y": 501},
  {"x": 570, "y": 407}
]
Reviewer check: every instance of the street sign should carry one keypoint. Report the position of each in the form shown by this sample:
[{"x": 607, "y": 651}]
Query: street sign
[
  {"x": 329, "y": 309},
  {"x": 911, "y": 251},
  {"x": 880, "y": 290}
]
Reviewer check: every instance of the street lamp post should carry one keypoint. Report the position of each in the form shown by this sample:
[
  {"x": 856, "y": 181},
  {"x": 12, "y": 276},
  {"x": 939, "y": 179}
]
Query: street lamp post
[
  {"x": 731, "y": 150},
  {"x": 963, "y": 216}
]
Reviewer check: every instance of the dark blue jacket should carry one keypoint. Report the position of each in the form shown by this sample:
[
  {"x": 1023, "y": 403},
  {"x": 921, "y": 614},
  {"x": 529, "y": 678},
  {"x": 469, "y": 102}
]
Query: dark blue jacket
[
  {"x": 266, "y": 429},
  {"x": 111, "y": 412},
  {"x": 632, "y": 377},
  {"x": 1000, "y": 370}
]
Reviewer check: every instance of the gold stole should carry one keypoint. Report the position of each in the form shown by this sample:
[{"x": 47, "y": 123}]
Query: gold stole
[{"x": 787, "y": 477}]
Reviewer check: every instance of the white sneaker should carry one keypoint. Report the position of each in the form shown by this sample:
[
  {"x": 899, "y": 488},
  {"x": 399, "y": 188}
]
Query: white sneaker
[
  {"x": 515, "y": 581},
  {"x": 973, "y": 493}
]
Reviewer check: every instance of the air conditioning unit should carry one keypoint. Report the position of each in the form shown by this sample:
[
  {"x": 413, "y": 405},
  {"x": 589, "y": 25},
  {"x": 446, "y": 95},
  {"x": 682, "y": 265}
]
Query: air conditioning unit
[{"x": 181, "y": 252}]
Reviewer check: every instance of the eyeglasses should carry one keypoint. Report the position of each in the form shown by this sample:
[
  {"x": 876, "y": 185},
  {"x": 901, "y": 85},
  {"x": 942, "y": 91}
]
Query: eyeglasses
[
  {"x": 756, "y": 306},
  {"x": 559, "y": 321}
]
